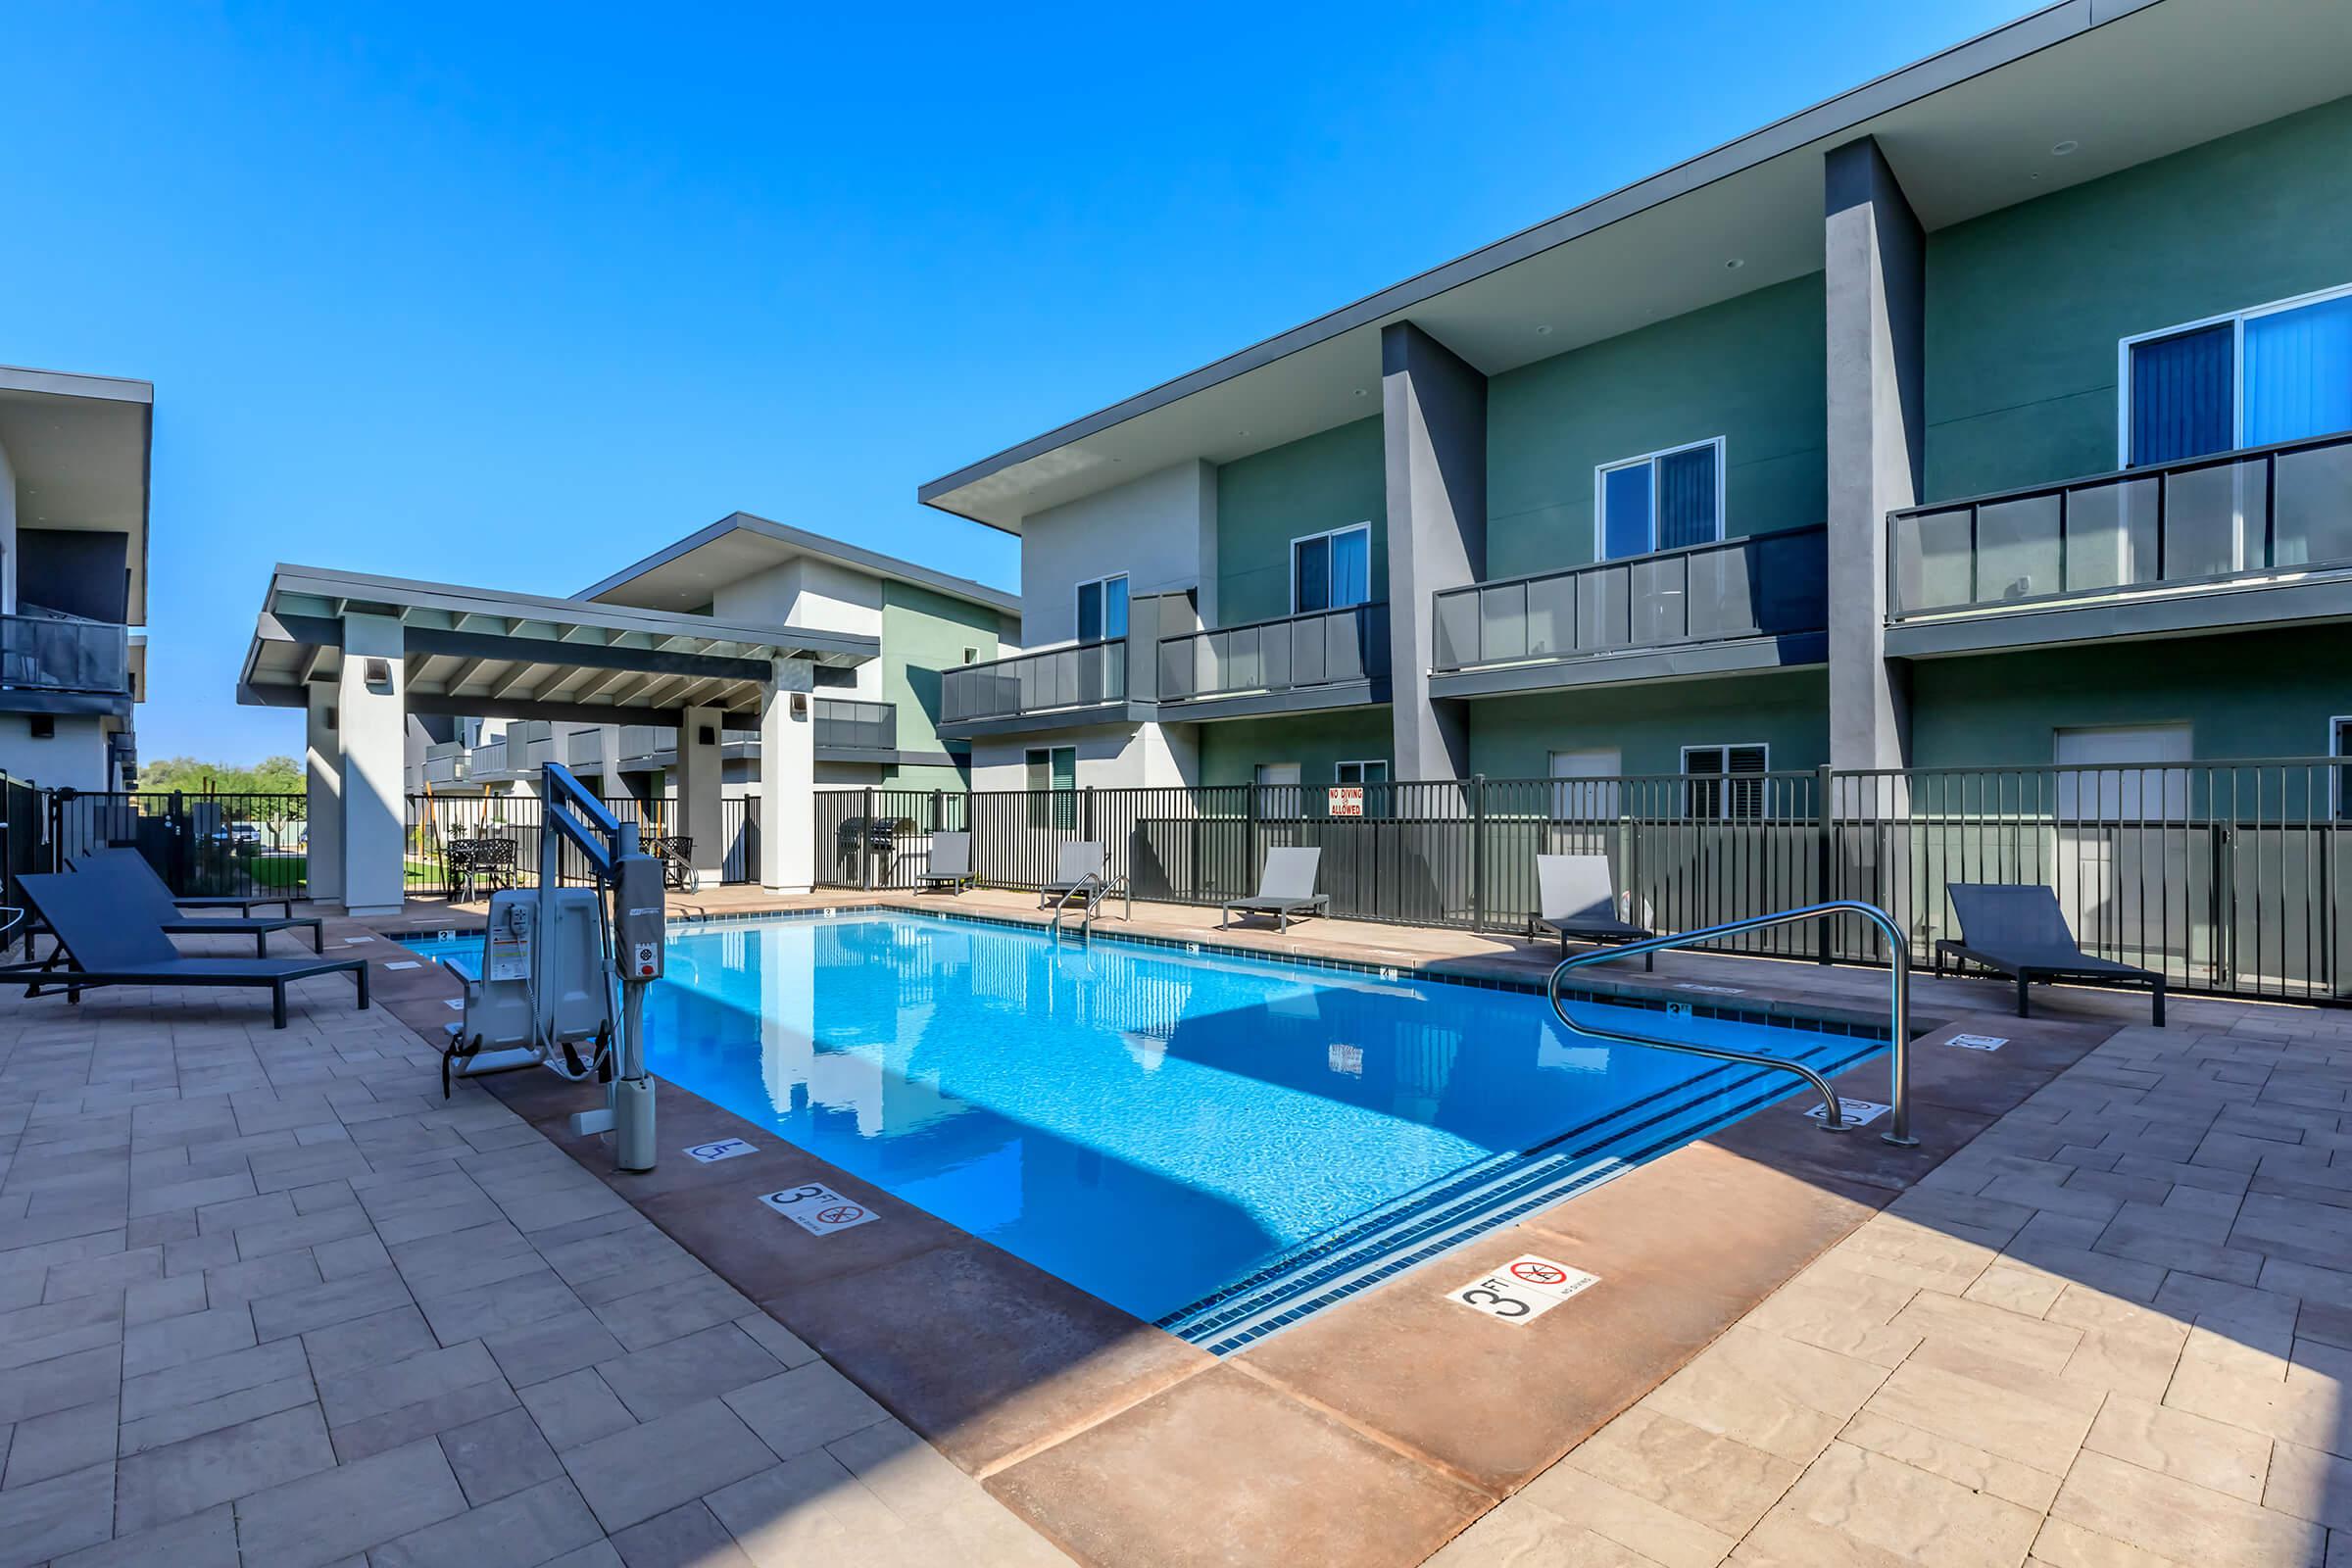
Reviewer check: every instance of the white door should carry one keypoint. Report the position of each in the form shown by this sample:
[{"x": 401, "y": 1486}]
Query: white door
[
  {"x": 1586, "y": 802},
  {"x": 1278, "y": 794},
  {"x": 2122, "y": 873}
]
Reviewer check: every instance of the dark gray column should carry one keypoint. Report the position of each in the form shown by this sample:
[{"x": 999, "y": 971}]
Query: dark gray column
[
  {"x": 1433, "y": 416},
  {"x": 1875, "y": 258}
]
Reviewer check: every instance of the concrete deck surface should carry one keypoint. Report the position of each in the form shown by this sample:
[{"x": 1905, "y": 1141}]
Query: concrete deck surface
[{"x": 265, "y": 1297}]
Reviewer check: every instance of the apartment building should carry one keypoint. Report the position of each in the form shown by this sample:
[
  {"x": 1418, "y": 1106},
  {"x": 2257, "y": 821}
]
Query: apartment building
[
  {"x": 74, "y": 467},
  {"x": 875, "y": 723},
  {"x": 1997, "y": 411}
]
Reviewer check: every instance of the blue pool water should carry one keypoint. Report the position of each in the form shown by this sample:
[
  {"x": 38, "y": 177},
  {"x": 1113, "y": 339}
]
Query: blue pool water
[{"x": 1213, "y": 1142}]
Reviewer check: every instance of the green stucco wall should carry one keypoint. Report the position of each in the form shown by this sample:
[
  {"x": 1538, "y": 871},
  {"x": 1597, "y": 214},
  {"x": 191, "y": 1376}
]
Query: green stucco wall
[
  {"x": 2026, "y": 306},
  {"x": 1513, "y": 737},
  {"x": 2253, "y": 694},
  {"x": 1751, "y": 369},
  {"x": 1333, "y": 480},
  {"x": 1231, "y": 752},
  {"x": 924, "y": 633}
]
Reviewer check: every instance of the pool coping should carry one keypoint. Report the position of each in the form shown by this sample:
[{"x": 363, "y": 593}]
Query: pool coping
[{"x": 1083, "y": 1448}]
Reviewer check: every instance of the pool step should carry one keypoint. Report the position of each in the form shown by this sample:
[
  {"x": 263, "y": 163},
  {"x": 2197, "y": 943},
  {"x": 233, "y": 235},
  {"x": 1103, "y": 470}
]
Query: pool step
[{"x": 1492, "y": 1192}]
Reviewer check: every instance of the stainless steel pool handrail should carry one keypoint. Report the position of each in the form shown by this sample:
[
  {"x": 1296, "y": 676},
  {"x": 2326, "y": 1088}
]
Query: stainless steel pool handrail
[
  {"x": 1898, "y": 1007},
  {"x": 1097, "y": 894}
]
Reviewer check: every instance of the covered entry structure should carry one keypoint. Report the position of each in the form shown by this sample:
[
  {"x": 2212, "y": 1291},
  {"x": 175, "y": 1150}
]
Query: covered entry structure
[{"x": 359, "y": 654}]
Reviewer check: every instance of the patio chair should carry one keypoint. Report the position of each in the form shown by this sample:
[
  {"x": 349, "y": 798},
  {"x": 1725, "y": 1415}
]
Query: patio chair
[
  {"x": 243, "y": 904},
  {"x": 1286, "y": 887},
  {"x": 108, "y": 947},
  {"x": 2022, "y": 933},
  {"x": 144, "y": 896},
  {"x": 1575, "y": 897},
  {"x": 950, "y": 863},
  {"x": 1077, "y": 870}
]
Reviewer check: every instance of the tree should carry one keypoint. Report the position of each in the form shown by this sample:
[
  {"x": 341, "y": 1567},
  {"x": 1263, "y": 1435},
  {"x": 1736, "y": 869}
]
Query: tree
[{"x": 270, "y": 790}]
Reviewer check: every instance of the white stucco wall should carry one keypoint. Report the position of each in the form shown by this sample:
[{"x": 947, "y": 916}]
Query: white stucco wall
[
  {"x": 1160, "y": 530},
  {"x": 819, "y": 595},
  {"x": 1109, "y": 757},
  {"x": 73, "y": 758}
]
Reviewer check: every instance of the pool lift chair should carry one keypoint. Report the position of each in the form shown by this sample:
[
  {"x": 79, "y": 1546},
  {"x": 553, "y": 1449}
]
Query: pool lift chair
[
  {"x": 552, "y": 957},
  {"x": 1833, "y": 1116}
]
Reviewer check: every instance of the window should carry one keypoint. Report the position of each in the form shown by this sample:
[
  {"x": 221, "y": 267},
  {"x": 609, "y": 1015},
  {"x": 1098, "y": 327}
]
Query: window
[
  {"x": 1360, "y": 772},
  {"x": 1661, "y": 500},
  {"x": 1727, "y": 782},
  {"x": 1053, "y": 786},
  {"x": 834, "y": 676},
  {"x": 2274, "y": 372},
  {"x": 1588, "y": 791},
  {"x": 1277, "y": 789},
  {"x": 1103, "y": 609},
  {"x": 1331, "y": 571}
]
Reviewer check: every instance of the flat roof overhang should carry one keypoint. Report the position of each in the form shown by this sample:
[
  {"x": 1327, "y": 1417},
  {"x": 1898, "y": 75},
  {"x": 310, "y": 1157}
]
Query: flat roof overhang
[
  {"x": 82, "y": 448},
  {"x": 682, "y": 576},
  {"x": 480, "y": 652},
  {"x": 1968, "y": 130}
]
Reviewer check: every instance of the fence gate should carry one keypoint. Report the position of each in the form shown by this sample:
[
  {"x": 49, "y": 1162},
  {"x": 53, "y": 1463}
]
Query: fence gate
[{"x": 203, "y": 846}]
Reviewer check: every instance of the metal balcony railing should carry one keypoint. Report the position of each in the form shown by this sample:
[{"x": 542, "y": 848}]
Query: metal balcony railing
[
  {"x": 1290, "y": 652},
  {"x": 64, "y": 654},
  {"x": 2207, "y": 521},
  {"x": 1079, "y": 676},
  {"x": 842, "y": 724},
  {"x": 447, "y": 763},
  {"x": 1758, "y": 585}
]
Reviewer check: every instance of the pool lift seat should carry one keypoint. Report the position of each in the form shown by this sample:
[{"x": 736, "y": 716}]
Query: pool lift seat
[{"x": 551, "y": 959}]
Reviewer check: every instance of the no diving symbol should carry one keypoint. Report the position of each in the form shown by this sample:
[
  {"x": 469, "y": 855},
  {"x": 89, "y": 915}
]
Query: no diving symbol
[
  {"x": 1535, "y": 1271},
  {"x": 840, "y": 1216}
]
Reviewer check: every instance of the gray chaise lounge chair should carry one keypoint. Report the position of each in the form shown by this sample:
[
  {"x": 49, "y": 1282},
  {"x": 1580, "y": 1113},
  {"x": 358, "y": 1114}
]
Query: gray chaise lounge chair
[
  {"x": 145, "y": 897},
  {"x": 950, "y": 864},
  {"x": 1286, "y": 886},
  {"x": 1577, "y": 897},
  {"x": 2021, "y": 932},
  {"x": 238, "y": 901},
  {"x": 109, "y": 948},
  {"x": 1077, "y": 870}
]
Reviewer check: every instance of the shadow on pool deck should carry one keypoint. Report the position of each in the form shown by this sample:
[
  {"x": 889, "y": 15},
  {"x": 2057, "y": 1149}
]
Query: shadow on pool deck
[{"x": 1379, "y": 1428}]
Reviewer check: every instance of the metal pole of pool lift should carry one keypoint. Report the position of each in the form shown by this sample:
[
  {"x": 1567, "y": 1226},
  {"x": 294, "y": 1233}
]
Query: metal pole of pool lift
[{"x": 639, "y": 919}]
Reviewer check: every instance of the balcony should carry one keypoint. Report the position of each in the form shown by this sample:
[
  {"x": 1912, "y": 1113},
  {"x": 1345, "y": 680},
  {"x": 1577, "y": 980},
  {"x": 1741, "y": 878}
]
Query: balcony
[
  {"x": 2260, "y": 536},
  {"x": 55, "y": 663},
  {"x": 1294, "y": 663},
  {"x": 853, "y": 731},
  {"x": 1086, "y": 683},
  {"x": 448, "y": 763},
  {"x": 1759, "y": 602}
]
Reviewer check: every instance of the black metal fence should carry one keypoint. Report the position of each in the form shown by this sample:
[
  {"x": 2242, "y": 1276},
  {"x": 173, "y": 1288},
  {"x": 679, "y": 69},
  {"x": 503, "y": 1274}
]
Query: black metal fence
[
  {"x": 476, "y": 842},
  {"x": 242, "y": 845},
  {"x": 2226, "y": 876}
]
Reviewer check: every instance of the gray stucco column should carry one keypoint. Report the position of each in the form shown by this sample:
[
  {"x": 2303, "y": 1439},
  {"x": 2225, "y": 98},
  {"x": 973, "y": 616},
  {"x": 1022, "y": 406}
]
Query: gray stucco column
[
  {"x": 1434, "y": 422},
  {"x": 324, "y": 785},
  {"x": 1876, "y": 293},
  {"x": 700, "y": 788}
]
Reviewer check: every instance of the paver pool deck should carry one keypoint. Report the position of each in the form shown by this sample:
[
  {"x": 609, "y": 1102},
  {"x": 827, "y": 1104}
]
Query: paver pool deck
[{"x": 265, "y": 1296}]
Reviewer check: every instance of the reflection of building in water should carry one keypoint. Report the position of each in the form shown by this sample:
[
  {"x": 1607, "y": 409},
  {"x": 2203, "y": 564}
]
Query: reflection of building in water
[
  {"x": 869, "y": 1079},
  {"x": 1422, "y": 1058}
]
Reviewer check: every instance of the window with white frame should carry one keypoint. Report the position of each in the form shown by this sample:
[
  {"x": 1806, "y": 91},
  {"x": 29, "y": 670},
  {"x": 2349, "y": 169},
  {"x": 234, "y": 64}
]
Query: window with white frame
[
  {"x": 1658, "y": 501},
  {"x": 1725, "y": 783},
  {"x": 2271, "y": 372},
  {"x": 1103, "y": 609},
  {"x": 1331, "y": 571},
  {"x": 1360, "y": 772},
  {"x": 1053, "y": 786}
]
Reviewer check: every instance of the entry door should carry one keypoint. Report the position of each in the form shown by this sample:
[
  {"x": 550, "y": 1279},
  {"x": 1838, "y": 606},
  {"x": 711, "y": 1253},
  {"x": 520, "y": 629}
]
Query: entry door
[
  {"x": 2122, "y": 843},
  {"x": 1595, "y": 800}
]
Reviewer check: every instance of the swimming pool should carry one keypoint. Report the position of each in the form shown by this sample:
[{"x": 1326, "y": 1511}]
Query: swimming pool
[{"x": 1214, "y": 1142}]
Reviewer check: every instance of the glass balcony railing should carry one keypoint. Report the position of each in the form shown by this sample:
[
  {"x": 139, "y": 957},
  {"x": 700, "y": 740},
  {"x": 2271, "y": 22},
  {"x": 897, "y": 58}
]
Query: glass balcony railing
[
  {"x": 64, "y": 654},
  {"x": 1759, "y": 585},
  {"x": 2207, "y": 521},
  {"x": 1291, "y": 653},
  {"x": 842, "y": 724},
  {"x": 1080, "y": 676}
]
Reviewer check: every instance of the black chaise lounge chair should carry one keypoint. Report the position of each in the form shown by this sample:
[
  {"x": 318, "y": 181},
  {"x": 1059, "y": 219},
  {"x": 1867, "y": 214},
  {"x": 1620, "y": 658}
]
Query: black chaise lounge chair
[
  {"x": 243, "y": 904},
  {"x": 950, "y": 864},
  {"x": 145, "y": 898},
  {"x": 2021, "y": 932},
  {"x": 1576, "y": 897},
  {"x": 1286, "y": 886},
  {"x": 1077, "y": 870},
  {"x": 110, "y": 947}
]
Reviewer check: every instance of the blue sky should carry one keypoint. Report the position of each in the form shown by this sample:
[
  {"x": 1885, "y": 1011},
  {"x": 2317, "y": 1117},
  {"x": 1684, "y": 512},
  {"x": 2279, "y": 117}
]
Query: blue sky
[{"x": 512, "y": 295}]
